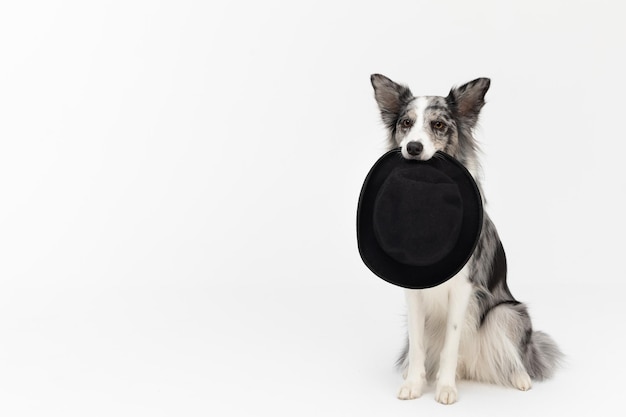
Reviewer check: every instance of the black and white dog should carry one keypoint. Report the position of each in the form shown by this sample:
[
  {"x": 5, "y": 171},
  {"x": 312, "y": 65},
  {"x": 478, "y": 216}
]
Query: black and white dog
[{"x": 471, "y": 326}]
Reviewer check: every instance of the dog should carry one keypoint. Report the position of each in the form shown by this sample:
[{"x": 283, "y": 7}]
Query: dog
[{"x": 470, "y": 326}]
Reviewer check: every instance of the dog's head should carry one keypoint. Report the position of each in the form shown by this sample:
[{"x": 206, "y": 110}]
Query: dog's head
[{"x": 424, "y": 125}]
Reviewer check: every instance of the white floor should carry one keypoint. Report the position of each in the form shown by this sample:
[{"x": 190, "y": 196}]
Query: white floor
[{"x": 304, "y": 350}]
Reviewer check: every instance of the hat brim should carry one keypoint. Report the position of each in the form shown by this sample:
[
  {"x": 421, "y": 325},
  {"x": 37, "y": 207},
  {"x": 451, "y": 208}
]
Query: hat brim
[{"x": 408, "y": 276}]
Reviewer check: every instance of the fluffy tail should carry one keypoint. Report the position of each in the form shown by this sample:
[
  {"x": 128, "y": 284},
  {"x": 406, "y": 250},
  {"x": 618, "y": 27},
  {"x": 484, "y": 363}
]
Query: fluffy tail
[{"x": 542, "y": 357}]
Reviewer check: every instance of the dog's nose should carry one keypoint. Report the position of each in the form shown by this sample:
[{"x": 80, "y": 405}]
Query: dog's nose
[{"x": 414, "y": 148}]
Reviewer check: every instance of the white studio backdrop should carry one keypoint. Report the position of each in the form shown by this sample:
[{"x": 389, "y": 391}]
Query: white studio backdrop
[{"x": 179, "y": 181}]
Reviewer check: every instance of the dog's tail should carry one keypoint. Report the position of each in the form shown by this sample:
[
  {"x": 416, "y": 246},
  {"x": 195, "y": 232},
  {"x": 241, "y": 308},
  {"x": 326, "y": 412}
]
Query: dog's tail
[{"x": 542, "y": 356}]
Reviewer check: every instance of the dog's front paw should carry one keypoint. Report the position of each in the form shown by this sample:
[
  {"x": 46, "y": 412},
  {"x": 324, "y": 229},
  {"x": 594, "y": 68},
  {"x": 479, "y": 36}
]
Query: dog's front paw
[
  {"x": 410, "y": 390},
  {"x": 446, "y": 394}
]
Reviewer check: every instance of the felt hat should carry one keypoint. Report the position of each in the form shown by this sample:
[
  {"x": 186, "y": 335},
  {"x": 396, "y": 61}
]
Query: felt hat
[{"x": 418, "y": 222}]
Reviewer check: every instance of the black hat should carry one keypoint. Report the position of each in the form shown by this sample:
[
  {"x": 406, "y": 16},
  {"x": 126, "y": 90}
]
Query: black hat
[{"x": 418, "y": 222}]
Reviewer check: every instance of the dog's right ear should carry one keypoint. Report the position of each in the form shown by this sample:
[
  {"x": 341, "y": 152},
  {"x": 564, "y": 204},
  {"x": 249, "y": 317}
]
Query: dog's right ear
[
  {"x": 468, "y": 99},
  {"x": 391, "y": 98}
]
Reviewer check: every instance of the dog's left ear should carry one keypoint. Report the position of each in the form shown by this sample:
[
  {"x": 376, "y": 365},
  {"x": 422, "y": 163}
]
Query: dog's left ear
[
  {"x": 391, "y": 98},
  {"x": 468, "y": 99}
]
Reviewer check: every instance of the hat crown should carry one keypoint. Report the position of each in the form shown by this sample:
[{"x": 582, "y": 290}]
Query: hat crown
[{"x": 418, "y": 214}]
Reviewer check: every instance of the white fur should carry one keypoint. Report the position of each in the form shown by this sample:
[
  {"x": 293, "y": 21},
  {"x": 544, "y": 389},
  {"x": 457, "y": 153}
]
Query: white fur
[
  {"x": 444, "y": 303},
  {"x": 419, "y": 132},
  {"x": 486, "y": 349}
]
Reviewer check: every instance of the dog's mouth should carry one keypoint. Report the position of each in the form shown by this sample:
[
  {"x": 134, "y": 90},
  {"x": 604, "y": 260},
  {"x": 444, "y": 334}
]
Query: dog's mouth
[
  {"x": 420, "y": 157},
  {"x": 415, "y": 150}
]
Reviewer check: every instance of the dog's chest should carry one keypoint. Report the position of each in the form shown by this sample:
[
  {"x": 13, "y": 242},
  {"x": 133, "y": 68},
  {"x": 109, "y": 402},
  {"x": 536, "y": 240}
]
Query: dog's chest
[{"x": 436, "y": 299}]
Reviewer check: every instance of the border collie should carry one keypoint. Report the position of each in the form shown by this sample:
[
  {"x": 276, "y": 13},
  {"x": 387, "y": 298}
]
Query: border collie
[{"x": 470, "y": 326}]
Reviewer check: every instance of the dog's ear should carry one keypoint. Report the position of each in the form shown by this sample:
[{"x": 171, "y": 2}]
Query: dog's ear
[
  {"x": 391, "y": 98},
  {"x": 468, "y": 99}
]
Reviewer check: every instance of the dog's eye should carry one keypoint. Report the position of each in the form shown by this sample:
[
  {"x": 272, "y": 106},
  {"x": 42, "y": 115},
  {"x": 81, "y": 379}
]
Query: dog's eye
[
  {"x": 438, "y": 125},
  {"x": 406, "y": 123}
]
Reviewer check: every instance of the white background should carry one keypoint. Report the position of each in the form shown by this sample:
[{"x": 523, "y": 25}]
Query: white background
[{"x": 178, "y": 190}]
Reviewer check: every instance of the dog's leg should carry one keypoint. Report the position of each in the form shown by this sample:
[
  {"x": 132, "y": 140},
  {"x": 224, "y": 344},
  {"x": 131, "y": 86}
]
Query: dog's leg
[
  {"x": 416, "y": 373},
  {"x": 503, "y": 330},
  {"x": 458, "y": 298}
]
